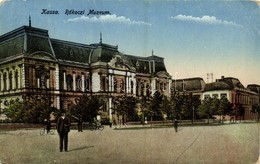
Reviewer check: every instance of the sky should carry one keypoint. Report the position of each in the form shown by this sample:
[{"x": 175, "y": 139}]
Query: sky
[{"x": 195, "y": 38}]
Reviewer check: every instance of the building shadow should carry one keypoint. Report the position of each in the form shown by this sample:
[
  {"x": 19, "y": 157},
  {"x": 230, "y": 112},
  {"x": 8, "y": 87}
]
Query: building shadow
[{"x": 81, "y": 148}]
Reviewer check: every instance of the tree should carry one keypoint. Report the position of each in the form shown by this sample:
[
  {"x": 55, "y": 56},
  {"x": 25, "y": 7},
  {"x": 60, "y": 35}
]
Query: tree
[
  {"x": 29, "y": 110},
  {"x": 225, "y": 107},
  {"x": 125, "y": 106},
  {"x": 86, "y": 107},
  {"x": 15, "y": 111},
  {"x": 155, "y": 107},
  {"x": 166, "y": 107},
  {"x": 256, "y": 109},
  {"x": 206, "y": 109},
  {"x": 239, "y": 111}
]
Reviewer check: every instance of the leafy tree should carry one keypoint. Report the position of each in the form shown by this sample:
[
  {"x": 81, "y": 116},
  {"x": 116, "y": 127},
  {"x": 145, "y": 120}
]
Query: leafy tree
[
  {"x": 86, "y": 107},
  {"x": 225, "y": 107},
  {"x": 206, "y": 109},
  {"x": 125, "y": 106},
  {"x": 155, "y": 107},
  {"x": 240, "y": 111},
  {"x": 195, "y": 105},
  {"x": 15, "y": 111},
  {"x": 176, "y": 103},
  {"x": 29, "y": 110},
  {"x": 166, "y": 106},
  {"x": 256, "y": 109}
]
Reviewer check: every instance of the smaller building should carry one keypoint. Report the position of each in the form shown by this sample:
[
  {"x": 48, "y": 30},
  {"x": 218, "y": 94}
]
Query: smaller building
[{"x": 235, "y": 92}]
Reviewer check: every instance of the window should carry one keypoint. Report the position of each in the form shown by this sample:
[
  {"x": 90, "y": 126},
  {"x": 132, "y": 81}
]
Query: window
[
  {"x": 43, "y": 77},
  {"x": 115, "y": 85},
  {"x": 86, "y": 84},
  {"x": 122, "y": 86},
  {"x": 132, "y": 87},
  {"x": 79, "y": 84},
  {"x": 10, "y": 80},
  {"x": 69, "y": 81},
  {"x": 4, "y": 78},
  {"x": 16, "y": 79},
  {"x": 207, "y": 96},
  {"x": 223, "y": 95},
  {"x": 215, "y": 95}
]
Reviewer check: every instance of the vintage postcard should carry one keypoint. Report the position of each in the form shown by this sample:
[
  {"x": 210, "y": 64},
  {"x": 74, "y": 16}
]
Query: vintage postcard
[{"x": 129, "y": 81}]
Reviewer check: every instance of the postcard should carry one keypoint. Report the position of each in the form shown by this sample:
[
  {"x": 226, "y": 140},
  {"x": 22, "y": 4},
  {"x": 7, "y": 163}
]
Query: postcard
[{"x": 129, "y": 81}]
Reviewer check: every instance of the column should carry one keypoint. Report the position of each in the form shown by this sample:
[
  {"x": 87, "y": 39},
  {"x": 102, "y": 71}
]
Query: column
[
  {"x": 74, "y": 81},
  {"x": 112, "y": 86},
  {"x": 109, "y": 83},
  {"x": 110, "y": 107},
  {"x": 127, "y": 84},
  {"x": 169, "y": 87},
  {"x": 57, "y": 77},
  {"x": 23, "y": 75},
  {"x": 64, "y": 81},
  {"x": 83, "y": 82},
  {"x": 58, "y": 102}
]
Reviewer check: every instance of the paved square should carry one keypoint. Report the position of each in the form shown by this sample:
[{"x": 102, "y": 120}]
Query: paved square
[{"x": 229, "y": 143}]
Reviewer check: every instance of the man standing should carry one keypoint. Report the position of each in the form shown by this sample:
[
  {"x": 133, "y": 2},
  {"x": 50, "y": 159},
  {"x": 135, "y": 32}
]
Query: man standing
[
  {"x": 80, "y": 122},
  {"x": 63, "y": 128},
  {"x": 176, "y": 125}
]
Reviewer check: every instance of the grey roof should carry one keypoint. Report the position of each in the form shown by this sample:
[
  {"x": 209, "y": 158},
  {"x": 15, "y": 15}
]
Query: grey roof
[
  {"x": 27, "y": 40},
  {"x": 31, "y": 41},
  {"x": 232, "y": 82},
  {"x": 70, "y": 51},
  {"x": 219, "y": 85},
  {"x": 189, "y": 84},
  {"x": 254, "y": 87}
]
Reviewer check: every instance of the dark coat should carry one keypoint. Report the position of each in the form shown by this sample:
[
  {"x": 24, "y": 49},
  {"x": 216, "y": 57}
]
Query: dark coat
[{"x": 63, "y": 125}]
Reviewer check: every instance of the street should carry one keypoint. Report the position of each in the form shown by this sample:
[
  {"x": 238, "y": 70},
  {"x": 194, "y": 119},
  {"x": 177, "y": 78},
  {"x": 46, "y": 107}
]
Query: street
[{"x": 229, "y": 143}]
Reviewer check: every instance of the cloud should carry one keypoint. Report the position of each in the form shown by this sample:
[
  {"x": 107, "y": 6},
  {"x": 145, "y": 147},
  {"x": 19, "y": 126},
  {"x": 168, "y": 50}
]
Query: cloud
[
  {"x": 108, "y": 19},
  {"x": 205, "y": 20},
  {"x": 3, "y": 1}
]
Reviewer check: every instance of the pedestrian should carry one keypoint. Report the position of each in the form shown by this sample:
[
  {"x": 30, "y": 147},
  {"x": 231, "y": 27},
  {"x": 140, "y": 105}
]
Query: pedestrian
[
  {"x": 63, "y": 128},
  {"x": 80, "y": 124},
  {"x": 48, "y": 125},
  {"x": 176, "y": 125}
]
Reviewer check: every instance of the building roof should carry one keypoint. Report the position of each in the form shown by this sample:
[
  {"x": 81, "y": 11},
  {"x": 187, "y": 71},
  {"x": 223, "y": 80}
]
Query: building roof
[
  {"x": 26, "y": 40},
  {"x": 189, "y": 84},
  {"x": 218, "y": 85},
  {"x": 232, "y": 82},
  {"x": 71, "y": 51},
  {"x": 34, "y": 42},
  {"x": 254, "y": 87}
]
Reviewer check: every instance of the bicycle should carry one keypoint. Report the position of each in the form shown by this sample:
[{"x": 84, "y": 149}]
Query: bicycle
[
  {"x": 44, "y": 130},
  {"x": 96, "y": 126}
]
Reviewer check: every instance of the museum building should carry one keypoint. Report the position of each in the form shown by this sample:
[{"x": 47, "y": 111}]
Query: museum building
[{"x": 34, "y": 65}]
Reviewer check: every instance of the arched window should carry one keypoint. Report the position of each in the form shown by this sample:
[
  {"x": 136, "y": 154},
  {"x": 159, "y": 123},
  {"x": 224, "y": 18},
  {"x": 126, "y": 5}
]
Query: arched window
[
  {"x": 10, "y": 80},
  {"x": 115, "y": 85},
  {"x": 69, "y": 81},
  {"x": 122, "y": 86},
  {"x": 43, "y": 77},
  {"x": 79, "y": 83},
  {"x": 132, "y": 87},
  {"x": 142, "y": 83},
  {"x": 102, "y": 83},
  {"x": 16, "y": 76},
  {"x": 5, "y": 82},
  {"x": 86, "y": 84},
  {"x": 137, "y": 87}
]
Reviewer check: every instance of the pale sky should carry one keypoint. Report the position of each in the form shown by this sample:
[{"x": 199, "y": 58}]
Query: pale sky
[{"x": 193, "y": 37}]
